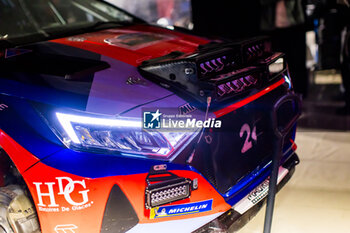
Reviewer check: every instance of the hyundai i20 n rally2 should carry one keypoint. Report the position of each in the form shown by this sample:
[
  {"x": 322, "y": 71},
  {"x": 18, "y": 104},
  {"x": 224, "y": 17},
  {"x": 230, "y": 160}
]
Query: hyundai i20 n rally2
[{"x": 109, "y": 124}]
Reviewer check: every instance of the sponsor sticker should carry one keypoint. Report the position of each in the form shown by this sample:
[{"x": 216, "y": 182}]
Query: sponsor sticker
[
  {"x": 69, "y": 228},
  {"x": 183, "y": 209},
  {"x": 75, "y": 199},
  {"x": 258, "y": 194},
  {"x": 186, "y": 109},
  {"x": 77, "y": 39}
]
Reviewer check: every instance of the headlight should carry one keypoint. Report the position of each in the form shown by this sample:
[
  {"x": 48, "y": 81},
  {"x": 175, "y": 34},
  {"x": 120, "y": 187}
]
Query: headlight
[{"x": 118, "y": 134}]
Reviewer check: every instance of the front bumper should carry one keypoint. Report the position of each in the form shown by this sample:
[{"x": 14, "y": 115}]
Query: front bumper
[
  {"x": 232, "y": 220},
  {"x": 65, "y": 201},
  {"x": 88, "y": 203}
]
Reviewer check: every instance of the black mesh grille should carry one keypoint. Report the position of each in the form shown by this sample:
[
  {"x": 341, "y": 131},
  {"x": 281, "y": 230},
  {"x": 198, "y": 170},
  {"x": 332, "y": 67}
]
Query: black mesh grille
[
  {"x": 222, "y": 161},
  {"x": 119, "y": 216}
]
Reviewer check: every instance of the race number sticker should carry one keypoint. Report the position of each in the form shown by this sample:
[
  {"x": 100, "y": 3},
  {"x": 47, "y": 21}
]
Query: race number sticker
[
  {"x": 250, "y": 137},
  {"x": 258, "y": 194}
]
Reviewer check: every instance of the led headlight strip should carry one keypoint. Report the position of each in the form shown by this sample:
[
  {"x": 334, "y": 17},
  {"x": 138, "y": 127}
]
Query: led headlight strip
[
  {"x": 67, "y": 119},
  {"x": 125, "y": 135}
]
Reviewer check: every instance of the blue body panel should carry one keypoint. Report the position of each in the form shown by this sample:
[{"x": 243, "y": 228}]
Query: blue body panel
[
  {"x": 23, "y": 124},
  {"x": 102, "y": 165},
  {"x": 36, "y": 93}
]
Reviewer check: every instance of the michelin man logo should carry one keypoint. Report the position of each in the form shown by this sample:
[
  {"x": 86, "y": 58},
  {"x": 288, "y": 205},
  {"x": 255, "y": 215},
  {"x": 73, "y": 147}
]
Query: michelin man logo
[
  {"x": 160, "y": 213},
  {"x": 65, "y": 189}
]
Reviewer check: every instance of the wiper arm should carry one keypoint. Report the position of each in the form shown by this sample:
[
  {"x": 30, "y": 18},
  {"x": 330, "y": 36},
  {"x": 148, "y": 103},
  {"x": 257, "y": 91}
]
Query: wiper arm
[
  {"x": 63, "y": 31},
  {"x": 102, "y": 24}
]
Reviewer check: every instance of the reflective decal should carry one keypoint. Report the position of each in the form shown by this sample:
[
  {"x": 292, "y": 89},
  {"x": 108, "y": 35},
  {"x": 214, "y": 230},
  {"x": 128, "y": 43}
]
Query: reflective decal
[
  {"x": 15, "y": 52},
  {"x": 3, "y": 107}
]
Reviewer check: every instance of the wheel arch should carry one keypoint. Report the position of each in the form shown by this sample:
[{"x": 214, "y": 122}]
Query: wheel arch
[{"x": 21, "y": 158}]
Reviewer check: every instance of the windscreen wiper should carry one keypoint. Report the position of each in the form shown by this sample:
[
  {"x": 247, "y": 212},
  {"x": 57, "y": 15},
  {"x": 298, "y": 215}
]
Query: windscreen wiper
[
  {"x": 64, "y": 31},
  {"x": 107, "y": 24},
  {"x": 13, "y": 41}
]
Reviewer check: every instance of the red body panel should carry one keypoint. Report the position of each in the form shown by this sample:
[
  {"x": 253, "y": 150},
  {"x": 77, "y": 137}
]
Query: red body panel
[
  {"x": 246, "y": 101},
  {"x": 134, "y": 44},
  {"x": 62, "y": 198},
  {"x": 21, "y": 157}
]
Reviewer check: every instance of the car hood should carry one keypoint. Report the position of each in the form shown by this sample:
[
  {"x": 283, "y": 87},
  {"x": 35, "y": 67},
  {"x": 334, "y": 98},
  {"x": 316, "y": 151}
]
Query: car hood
[{"x": 115, "y": 86}]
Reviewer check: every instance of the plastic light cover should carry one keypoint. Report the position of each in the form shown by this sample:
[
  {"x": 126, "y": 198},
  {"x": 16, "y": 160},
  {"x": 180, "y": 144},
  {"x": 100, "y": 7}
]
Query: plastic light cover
[
  {"x": 277, "y": 66},
  {"x": 118, "y": 134}
]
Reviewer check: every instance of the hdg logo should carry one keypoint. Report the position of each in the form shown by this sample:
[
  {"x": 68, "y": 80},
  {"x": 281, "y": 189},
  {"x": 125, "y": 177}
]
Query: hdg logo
[{"x": 66, "y": 187}]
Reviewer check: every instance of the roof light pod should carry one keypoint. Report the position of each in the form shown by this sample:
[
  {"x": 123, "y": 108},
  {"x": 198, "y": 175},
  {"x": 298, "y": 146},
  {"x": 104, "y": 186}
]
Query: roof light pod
[{"x": 214, "y": 70}]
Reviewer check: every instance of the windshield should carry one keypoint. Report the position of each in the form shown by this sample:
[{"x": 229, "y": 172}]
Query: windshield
[{"x": 21, "y": 18}]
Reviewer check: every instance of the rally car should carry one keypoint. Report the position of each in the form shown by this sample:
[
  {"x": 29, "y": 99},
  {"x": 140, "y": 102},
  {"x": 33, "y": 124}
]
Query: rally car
[{"x": 109, "y": 124}]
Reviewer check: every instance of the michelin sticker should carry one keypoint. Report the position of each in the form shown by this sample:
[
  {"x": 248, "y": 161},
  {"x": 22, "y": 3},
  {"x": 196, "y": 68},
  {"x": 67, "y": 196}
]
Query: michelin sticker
[{"x": 184, "y": 209}]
